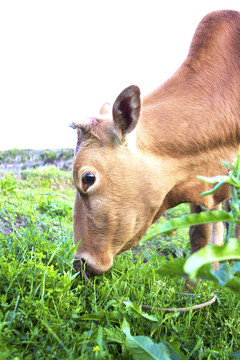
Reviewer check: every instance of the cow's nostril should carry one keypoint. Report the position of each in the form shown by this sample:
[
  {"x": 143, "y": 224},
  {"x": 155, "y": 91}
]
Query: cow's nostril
[{"x": 78, "y": 264}]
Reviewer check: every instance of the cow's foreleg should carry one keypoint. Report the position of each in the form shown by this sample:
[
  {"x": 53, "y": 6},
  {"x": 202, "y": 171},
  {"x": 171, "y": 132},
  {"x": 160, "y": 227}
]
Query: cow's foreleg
[
  {"x": 199, "y": 234},
  {"x": 217, "y": 236},
  {"x": 217, "y": 230},
  {"x": 237, "y": 231},
  {"x": 199, "y": 237}
]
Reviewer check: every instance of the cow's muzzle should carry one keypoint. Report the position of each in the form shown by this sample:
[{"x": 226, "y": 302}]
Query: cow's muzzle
[
  {"x": 78, "y": 264},
  {"x": 85, "y": 267}
]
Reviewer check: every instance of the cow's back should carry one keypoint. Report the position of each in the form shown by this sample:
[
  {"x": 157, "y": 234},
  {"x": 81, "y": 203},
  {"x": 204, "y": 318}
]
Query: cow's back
[{"x": 198, "y": 109}]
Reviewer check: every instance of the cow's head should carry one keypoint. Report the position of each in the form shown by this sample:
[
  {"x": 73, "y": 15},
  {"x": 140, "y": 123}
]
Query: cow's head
[{"x": 117, "y": 188}]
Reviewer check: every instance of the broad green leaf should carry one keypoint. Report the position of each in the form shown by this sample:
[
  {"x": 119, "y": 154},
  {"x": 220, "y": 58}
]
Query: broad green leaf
[
  {"x": 114, "y": 334},
  {"x": 138, "y": 310},
  {"x": 197, "y": 219},
  {"x": 233, "y": 284},
  {"x": 175, "y": 352},
  {"x": 224, "y": 274},
  {"x": 173, "y": 267},
  {"x": 152, "y": 232},
  {"x": 125, "y": 327},
  {"x": 143, "y": 348},
  {"x": 206, "y": 272},
  {"x": 227, "y": 275},
  {"x": 230, "y": 250},
  {"x": 236, "y": 267}
]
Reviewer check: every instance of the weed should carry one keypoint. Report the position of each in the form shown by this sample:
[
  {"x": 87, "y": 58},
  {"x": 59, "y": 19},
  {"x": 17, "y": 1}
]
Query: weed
[{"x": 7, "y": 185}]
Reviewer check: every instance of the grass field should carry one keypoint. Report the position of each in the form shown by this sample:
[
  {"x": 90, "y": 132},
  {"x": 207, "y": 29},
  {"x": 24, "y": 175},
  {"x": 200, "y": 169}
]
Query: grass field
[{"x": 48, "y": 311}]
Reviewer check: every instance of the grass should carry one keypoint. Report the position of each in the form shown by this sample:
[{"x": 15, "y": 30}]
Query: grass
[{"x": 48, "y": 311}]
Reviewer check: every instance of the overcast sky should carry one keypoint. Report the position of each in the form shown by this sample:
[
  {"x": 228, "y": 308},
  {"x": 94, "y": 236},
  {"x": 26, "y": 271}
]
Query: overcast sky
[{"x": 60, "y": 60}]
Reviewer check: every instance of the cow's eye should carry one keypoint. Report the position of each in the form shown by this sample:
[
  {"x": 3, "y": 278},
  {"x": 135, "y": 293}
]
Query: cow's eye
[{"x": 88, "y": 179}]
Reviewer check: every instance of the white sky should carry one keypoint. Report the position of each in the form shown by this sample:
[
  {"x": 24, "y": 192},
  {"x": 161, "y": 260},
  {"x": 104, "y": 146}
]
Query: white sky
[{"x": 60, "y": 60}]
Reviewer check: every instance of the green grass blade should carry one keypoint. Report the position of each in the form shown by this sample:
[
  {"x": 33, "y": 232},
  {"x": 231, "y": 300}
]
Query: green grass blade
[
  {"x": 57, "y": 338},
  {"x": 216, "y": 179},
  {"x": 53, "y": 254},
  {"x": 212, "y": 191}
]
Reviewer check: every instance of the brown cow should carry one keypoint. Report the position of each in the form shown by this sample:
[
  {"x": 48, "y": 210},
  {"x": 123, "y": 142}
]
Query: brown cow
[{"x": 140, "y": 159}]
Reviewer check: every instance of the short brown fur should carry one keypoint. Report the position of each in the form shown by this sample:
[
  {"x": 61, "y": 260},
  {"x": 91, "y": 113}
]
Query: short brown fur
[{"x": 145, "y": 156}]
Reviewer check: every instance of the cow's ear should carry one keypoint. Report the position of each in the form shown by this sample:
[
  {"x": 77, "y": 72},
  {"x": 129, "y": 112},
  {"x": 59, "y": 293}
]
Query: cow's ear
[{"x": 126, "y": 109}]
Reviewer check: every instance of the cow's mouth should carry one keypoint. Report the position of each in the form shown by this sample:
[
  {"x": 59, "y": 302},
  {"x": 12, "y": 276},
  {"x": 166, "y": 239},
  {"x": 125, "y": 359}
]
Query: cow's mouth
[
  {"x": 83, "y": 267},
  {"x": 78, "y": 264},
  {"x": 88, "y": 267}
]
